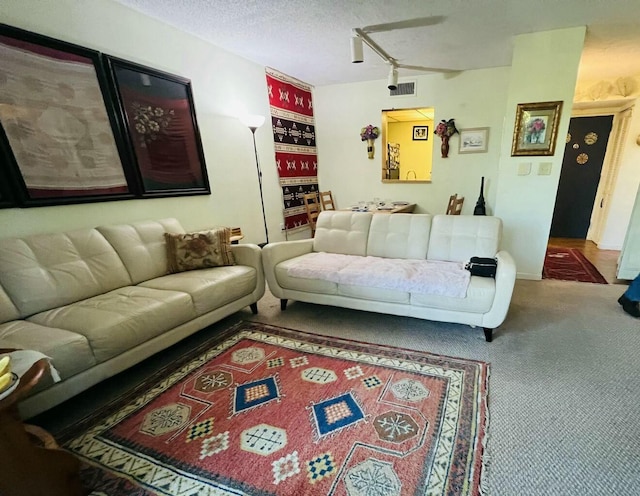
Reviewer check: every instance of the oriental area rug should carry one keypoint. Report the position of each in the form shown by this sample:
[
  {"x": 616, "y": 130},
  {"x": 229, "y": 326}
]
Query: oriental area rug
[
  {"x": 267, "y": 411},
  {"x": 569, "y": 264}
]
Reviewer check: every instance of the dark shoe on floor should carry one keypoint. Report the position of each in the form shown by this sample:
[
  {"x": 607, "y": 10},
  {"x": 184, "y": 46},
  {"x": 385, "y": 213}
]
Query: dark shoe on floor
[{"x": 631, "y": 307}]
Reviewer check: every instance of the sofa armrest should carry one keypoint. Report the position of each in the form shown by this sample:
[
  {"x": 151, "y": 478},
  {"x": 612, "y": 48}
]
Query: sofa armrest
[
  {"x": 274, "y": 253},
  {"x": 251, "y": 255},
  {"x": 505, "y": 280}
]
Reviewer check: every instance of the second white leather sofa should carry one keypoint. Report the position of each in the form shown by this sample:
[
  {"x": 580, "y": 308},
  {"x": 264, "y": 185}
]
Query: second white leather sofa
[{"x": 445, "y": 238}]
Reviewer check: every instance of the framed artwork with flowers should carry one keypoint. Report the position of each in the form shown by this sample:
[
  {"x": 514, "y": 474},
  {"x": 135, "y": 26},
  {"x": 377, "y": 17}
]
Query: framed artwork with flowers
[
  {"x": 160, "y": 128},
  {"x": 536, "y": 128}
]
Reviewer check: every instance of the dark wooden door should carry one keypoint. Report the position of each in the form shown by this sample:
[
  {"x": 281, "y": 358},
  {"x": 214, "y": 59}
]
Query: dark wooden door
[{"x": 583, "y": 156}]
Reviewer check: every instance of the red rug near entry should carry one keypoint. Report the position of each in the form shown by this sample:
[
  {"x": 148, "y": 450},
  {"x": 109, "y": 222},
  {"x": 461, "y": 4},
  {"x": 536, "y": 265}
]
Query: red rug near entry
[
  {"x": 569, "y": 264},
  {"x": 265, "y": 411}
]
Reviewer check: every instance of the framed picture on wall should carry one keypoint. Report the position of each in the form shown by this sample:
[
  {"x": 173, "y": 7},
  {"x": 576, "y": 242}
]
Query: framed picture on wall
[
  {"x": 160, "y": 125},
  {"x": 536, "y": 128},
  {"x": 420, "y": 133},
  {"x": 56, "y": 123},
  {"x": 474, "y": 140}
]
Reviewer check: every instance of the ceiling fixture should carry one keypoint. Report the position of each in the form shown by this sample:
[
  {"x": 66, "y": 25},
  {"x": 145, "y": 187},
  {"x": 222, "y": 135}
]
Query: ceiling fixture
[
  {"x": 357, "y": 55},
  {"x": 392, "y": 82},
  {"x": 361, "y": 35}
]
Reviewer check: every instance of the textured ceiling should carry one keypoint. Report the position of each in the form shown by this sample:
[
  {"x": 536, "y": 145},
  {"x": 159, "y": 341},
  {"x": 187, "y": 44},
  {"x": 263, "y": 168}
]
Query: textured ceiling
[{"x": 309, "y": 39}]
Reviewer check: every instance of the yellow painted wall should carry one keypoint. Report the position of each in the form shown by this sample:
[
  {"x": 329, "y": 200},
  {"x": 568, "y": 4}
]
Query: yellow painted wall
[{"x": 415, "y": 155}]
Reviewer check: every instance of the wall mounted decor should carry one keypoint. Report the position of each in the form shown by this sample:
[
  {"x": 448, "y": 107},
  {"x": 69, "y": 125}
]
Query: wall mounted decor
[
  {"x": 161, "y": 129},
  {"x": 474, "y": 140},
  {"x": 445, "y": 129},
  {"x": 420, "y": 133},
  {"x": 536, "y": 128},
  {"x": 369, "y": 134},
  {"x": 56, "y": 123}
]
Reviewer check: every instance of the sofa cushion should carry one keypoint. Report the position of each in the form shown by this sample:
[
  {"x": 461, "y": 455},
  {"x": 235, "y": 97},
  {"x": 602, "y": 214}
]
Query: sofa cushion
[
  {"x": 375, "y": 294},
  {"x": 457, "y": 238},
  {"x": 8, "y": 310},
  {"x": 117, "y": 321},
  {"x": 199, "y": 250},
  {"x": 50, "y": 270},
  {"x": 342, "y": 232},
  {"x": 142, "y": 247},
  {"x": 210, "y": 288},
  {"x": 399, "y": 236},
  {"x": 479, "y": 299},
  {"x": 70, "y": 352},
  {"x": 300, "y": 283}
]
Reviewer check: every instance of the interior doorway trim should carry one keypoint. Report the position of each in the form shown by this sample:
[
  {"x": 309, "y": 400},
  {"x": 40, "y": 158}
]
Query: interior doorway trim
[{"x": 622, "y": 110}]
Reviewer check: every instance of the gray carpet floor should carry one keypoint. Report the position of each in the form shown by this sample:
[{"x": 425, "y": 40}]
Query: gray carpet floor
[{"x": 564, "y": 390}]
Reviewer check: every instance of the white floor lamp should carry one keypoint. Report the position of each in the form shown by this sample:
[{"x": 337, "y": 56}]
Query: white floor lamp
[{"x": 253, "y": 122}]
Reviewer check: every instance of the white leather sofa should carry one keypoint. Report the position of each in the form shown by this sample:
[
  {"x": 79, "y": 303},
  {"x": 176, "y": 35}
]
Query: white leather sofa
[
  {"x": 98, "y": 301},
  {"x": 449, "y": 238}
]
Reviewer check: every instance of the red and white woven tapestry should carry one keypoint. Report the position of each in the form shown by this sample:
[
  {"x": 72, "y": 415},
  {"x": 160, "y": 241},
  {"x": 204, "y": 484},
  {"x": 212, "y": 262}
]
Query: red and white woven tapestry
[{"x": 295, "y": 143}]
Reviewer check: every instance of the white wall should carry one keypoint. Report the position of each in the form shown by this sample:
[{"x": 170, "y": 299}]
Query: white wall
[
  {"x": 473, "y": 98},
  {"x": 625, "y": 189},
  {"x": 221, "y": 82},
  {"x": 544, "y": 68}
]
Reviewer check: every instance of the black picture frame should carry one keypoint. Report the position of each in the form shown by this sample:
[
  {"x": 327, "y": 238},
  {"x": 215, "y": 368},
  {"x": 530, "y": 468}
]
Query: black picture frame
[
  {"x": 157, "y": 112},
  {"x": 420, "y": 133},
  {"x": 59, "y": 137}
]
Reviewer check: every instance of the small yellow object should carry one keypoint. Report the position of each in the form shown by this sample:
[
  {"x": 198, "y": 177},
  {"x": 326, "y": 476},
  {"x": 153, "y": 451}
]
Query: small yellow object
[
  {"x": 5, "y": 365},
  {"x": 5, "y": 380}
]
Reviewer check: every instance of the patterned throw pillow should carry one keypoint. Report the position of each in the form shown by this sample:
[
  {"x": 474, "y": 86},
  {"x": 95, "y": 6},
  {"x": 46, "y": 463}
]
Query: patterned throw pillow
[{"x": 199, "y": 250}]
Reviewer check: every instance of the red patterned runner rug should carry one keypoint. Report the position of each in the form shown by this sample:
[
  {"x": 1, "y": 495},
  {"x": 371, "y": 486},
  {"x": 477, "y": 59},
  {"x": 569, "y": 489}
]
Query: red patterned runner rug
[
  {"x": 569, "y": 264},
  {"x": 294, "y": 137},
  {"x": 265, "y": 411}
]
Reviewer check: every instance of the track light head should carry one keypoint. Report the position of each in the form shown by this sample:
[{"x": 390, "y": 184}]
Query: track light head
[
  {"x": 392, "y": 81},
  {"x": 357, "y": 55}
]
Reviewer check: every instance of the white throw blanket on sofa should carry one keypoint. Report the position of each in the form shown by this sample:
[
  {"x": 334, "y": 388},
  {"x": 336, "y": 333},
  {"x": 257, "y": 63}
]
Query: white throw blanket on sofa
[{"x": 414, "y": 276}]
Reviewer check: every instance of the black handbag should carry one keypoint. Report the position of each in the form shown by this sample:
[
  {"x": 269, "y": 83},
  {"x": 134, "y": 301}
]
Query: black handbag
[{"x": 482, "y": 266}]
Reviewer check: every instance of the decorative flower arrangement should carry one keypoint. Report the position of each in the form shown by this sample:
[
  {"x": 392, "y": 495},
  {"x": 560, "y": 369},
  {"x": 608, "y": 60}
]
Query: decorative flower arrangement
[
  {"x": 446, "y": 129},
  {"x": 368, "y": 134},
  {"x": 535, "y": 128}
]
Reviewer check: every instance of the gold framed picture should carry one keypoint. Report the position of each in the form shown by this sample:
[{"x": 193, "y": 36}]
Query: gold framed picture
[{"x": 536, "y": 128}]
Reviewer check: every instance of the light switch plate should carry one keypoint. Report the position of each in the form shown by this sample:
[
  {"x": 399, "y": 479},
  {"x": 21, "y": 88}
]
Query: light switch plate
[
  {"x": 524, "y": 168},
  {"x": 544, "y": 168}
]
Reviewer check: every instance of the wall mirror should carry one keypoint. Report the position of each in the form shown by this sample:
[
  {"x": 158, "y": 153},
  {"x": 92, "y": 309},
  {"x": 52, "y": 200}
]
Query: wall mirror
[{"x": 407, "y": 145}]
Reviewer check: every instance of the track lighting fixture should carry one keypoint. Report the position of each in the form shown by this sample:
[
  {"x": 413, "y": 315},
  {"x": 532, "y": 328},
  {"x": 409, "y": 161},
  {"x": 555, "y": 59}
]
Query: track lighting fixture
[
  {"x": 392, "y": 81},
  {"x": 357, "y": 55}
]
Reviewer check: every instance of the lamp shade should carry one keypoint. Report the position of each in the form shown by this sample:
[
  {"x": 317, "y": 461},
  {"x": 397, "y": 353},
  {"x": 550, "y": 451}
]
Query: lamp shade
[{"x": 252, "y": 121}]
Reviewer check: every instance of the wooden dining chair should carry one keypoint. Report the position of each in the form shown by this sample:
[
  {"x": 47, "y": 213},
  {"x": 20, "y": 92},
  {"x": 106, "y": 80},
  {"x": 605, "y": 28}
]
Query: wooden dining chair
[
  {"x": 312, "y": 206},
  {"x": 326, "y": 199},
  {"x": 454, "y": 207}
]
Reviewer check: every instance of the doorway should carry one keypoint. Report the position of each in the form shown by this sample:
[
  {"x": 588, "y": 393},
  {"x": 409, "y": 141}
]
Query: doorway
[
  {"x": 580, "y": 196},
  {"x": 585, "y": 149}
]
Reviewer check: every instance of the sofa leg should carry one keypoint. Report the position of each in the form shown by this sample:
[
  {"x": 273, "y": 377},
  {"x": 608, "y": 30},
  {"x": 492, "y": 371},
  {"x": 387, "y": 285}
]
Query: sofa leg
[
  {"x": 488, "y": 334},
  {"x": 283, "y": 304},
  {"x": 254, "y": 308}
]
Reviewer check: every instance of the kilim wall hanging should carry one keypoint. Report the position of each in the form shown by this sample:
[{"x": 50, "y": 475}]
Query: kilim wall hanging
[{"x": 294, "y": 136}]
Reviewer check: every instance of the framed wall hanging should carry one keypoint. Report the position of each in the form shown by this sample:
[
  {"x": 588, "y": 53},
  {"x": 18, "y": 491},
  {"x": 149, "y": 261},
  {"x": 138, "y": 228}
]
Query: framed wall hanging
[
  {"x": 474, "y": 140},
  {"x": 536, "y": 128},
  {"x": 420, "y": 133},
  {"x": 57, "y": 122},
  {"x": 158, "y": 115}
]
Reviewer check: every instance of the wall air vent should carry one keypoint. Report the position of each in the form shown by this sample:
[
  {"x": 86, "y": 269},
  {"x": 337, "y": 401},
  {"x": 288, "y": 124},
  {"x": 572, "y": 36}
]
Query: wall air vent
[{"x": 407, "y": 88}]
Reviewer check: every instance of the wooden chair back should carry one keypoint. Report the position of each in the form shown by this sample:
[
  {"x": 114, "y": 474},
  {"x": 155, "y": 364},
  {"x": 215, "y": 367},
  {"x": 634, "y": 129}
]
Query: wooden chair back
[
  {"x": 312, "y": 206},
  {"x": 454, "y": 207},
  {"x": 326, "y": 199}
]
